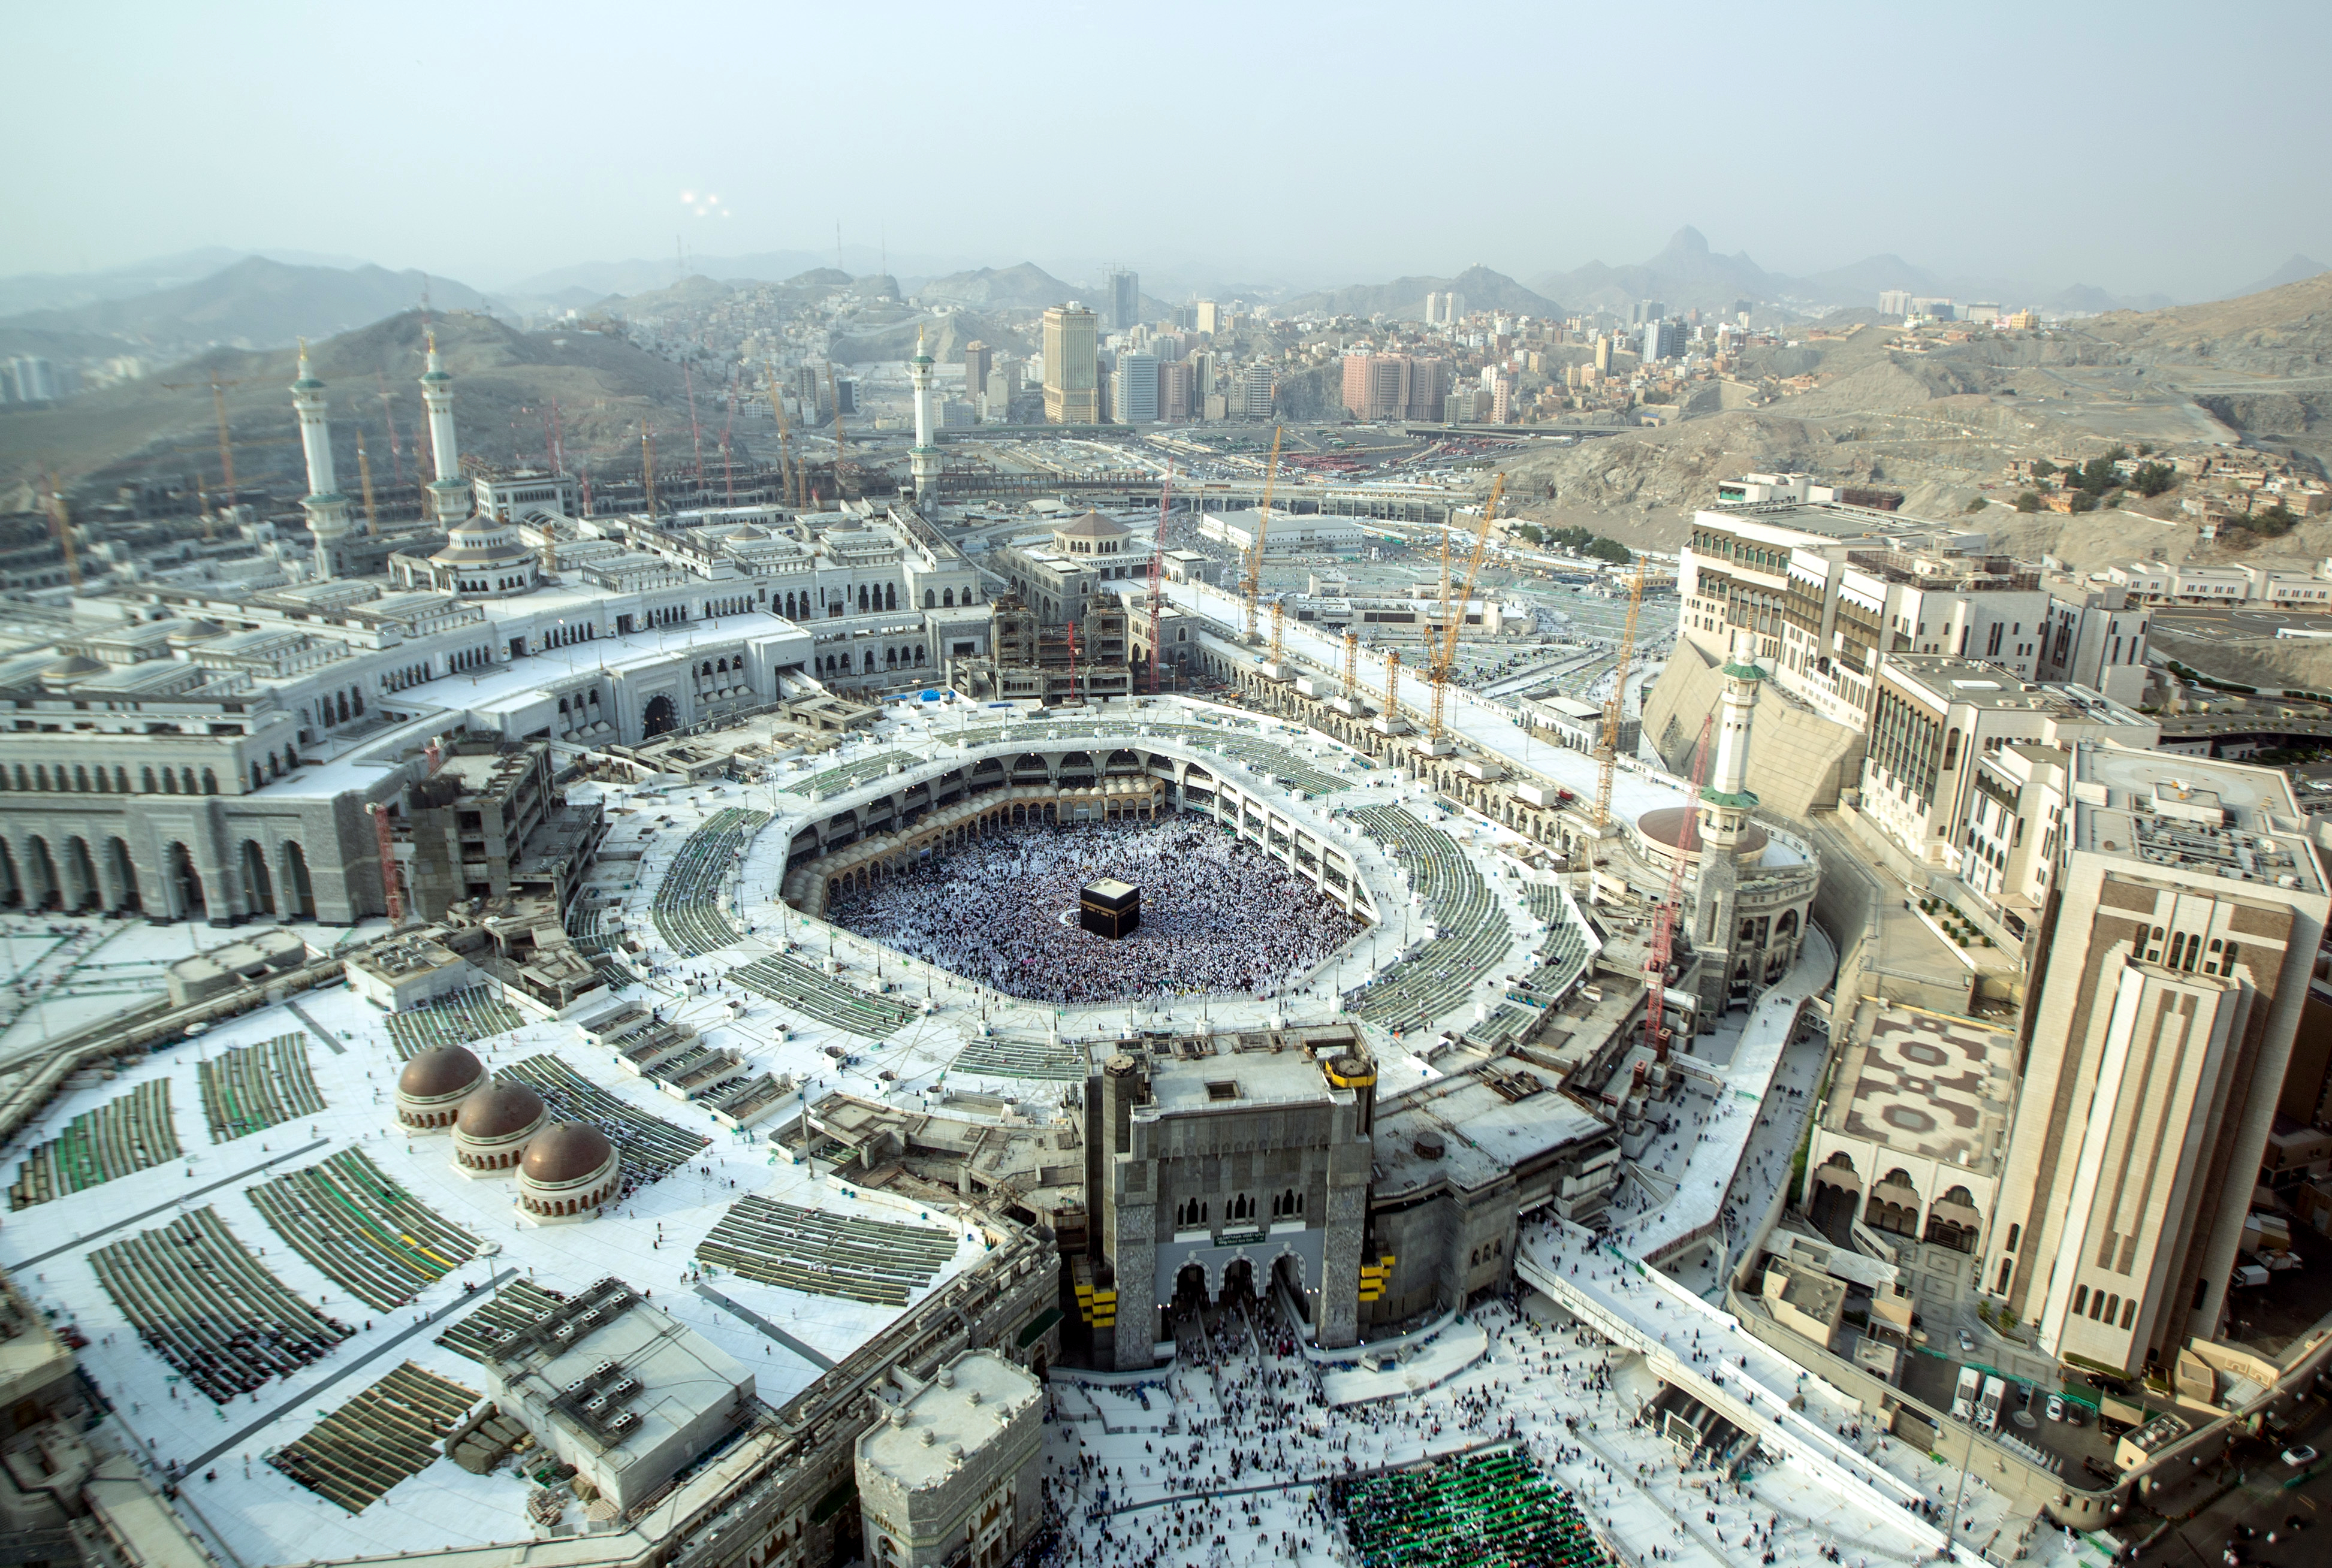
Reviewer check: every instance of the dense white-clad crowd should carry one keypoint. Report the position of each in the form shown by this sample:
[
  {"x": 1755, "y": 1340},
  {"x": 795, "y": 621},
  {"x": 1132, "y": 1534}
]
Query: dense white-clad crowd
[{"x": 1218, "y": 914}]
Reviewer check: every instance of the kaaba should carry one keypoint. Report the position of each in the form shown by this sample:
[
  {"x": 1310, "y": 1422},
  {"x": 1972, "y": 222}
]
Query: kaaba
[{"x": 1109, "y": 908}]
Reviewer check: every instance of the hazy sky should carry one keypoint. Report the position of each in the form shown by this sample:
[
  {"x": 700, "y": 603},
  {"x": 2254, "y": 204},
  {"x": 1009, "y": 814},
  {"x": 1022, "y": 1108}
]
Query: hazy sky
[{"x": 2138, "y": 147}]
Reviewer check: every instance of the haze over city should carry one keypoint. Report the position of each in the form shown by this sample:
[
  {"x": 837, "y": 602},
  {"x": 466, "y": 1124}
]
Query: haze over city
[
  {"x": 2130, "y": 149},
  {"x": 1292, "y": 786}
]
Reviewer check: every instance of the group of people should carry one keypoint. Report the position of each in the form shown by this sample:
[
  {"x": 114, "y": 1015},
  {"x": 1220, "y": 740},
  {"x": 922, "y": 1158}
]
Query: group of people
[{"x": 1218, "y": 914}]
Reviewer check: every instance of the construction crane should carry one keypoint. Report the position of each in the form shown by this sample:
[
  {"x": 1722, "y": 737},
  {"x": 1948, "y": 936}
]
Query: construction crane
[
  {"x": 218, "y": 406},
  {"x": 389, "y": 414},
  {"x": 1351, "y": 665},
  {"x": 1656, "y": 967},
  {"x": 695, "y": 431},
  {"x": 1392, "y": 687},
  {"x": 1158, "y": 571},
  {"x": 1453, "y": 615},
  {"x": 834, "y": 397},
  {"x": 789, "y": 489},
  {"x": 1607, "y": 755},
  {"x": 1278, "y": 634},
  {"x": 1262, "y": 526},
  {"x": 364, "y": 473},
  {"x": 62, "y": 519}
]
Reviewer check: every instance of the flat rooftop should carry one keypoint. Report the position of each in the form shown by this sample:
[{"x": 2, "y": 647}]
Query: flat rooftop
[
  {"x": 970, "y": 1403},
  {"x": 1928, "y": 1086},
  {"x": 1489, "y": 1120},
  {"x": 1233, "y": 1080},
  {"x": 2193, "y": 815}
]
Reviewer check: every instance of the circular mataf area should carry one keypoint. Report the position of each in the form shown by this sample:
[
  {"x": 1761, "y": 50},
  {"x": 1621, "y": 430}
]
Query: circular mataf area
[{"x": 1218, "y": 914}]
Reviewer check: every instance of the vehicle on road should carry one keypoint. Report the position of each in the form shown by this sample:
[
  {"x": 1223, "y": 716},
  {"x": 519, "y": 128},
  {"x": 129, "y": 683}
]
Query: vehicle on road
[{"x": 2298, "y": 1455}]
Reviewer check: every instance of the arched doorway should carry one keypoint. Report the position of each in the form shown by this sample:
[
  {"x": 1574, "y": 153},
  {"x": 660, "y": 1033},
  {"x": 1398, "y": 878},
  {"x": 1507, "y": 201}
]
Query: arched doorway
[
  {"x": 659, "y": 719},
  {"x": 185, "y": 883},
  {"x": 299, "y": 896},
  {"x": 258, "y": 888},
  {"x": 80, "y": 872},
  {"x": 47, "y": 892},
  {"x": 117, "y": 852},
  {"x": 1189, "y": 1288}
]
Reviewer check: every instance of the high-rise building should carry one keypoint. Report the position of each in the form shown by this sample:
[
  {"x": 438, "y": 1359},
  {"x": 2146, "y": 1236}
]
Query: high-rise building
[
  {"x": 1445, "y": 310},
  {"x": 1663, "y": 339},
  {"x": 1072, "y": 366},
  {"x": 1133, "y": 390},
  {"x": 1894, "y": 301},
  {"x": 2177, "y": 946},
  {"x": 1393, "y": 387},
  {"x": 1209, "y": 316},
  {"x": 1175, "y": 385},
  {"x": 32, "y": 379},
  {"x": 1125, "y": 299},
  {"x": 1644, "y": 310},
  {"x": 1256, "y": 387},
  {"x": 979, "y": 359}
]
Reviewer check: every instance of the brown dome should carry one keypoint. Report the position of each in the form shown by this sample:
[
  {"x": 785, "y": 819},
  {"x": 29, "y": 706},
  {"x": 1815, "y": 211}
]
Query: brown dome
[
  {"x": 569, "y": 1152},
  {"x": 499, "y": 1110},
  {"x": 438, "y": 1072}
]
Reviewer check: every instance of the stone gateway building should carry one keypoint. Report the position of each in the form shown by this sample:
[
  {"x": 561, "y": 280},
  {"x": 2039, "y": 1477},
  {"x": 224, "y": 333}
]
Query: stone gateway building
[{"x": 1229, "y": 1164}]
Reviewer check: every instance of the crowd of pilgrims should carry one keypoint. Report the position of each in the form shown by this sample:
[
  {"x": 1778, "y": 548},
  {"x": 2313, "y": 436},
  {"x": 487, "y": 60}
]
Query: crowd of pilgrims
[
  {"x": 1218, "y": 914},
  {"x": 1240, "y": 1480}
]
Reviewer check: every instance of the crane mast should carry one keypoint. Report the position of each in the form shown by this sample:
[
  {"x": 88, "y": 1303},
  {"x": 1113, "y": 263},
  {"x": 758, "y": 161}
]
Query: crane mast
[
  {"x": 1262, "y": 526},
  {"x": 1158, "y": 571},
  {"x": 789, "y": 488},
  {"x": 1454, "y": 616},
  {"x": 1607, "y": 755},
  {"x": 1656, "y": 967},
  {"x": 835, "y": 396},
  {"x": 1278, "y": 634},
  {"x": 1392, "y": 687},
  {"x": 1351, "y": 665},
  {"x": 364, "y": 472}
]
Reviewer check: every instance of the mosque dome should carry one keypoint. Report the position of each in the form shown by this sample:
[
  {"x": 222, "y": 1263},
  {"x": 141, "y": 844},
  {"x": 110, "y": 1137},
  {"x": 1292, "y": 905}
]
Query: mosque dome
[
  {"x": 72, "y": 667},
  {"x": 439, "y": 1071},
  {"x": 567, "y": 1152},
  {"x": 499, "y": 1111}
]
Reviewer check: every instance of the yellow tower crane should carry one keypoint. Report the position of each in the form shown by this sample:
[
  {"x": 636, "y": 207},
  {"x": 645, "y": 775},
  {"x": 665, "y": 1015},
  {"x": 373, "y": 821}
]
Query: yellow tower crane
[
  {"x": 788, "y": 476},
  {"x": 60, "y": 515},
  {"x": 1351, "y": 665},
  {"x": 1607, "y": 755},
  {"x": 1278, "y": 634},
  {"x": 1453, "y": 614},
  {"x": 834, "y": 397},
  {"x": 364, "y": 473},
  {"x": 1262, "y": 526},
  {"x": 1392, "y": 687}
]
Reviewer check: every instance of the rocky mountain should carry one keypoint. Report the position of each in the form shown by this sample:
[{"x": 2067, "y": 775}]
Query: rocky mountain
[
  {"x": 2280, "y": 331},
  {"x": 1403, "y": 299},
  {"x": 1685, "y": 275},
  {"x": 504, "y": 381},
  {"x": 65, "y": 290},
  {"x": 2297, "y": 270},
  {"x": 252, "y": 303},
  {"x": 1022, "y": 286}
]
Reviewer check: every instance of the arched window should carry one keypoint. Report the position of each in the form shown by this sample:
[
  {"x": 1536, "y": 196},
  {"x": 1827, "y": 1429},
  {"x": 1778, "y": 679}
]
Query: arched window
[
  {"x": 948, "y": 599},
  {"x": 169, "y": 783},
  {"x": 891, "y": 596},
  {"x": 187, "y": 775},
  {"x": 929, "y": 599},
  {"x": 1951, "y": 751},
  {"x": 81, "y": 778},
  {"x": 149, "y": 773},
  {"x": 210, "y": 782},
  {"x": 257, "y": 783},
  {"x": 2007, "y": 1267},
  {"x": 121, "y": 781},
  {"x": 919, "y": 657},
  {"x": 862, "y": 596}
]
